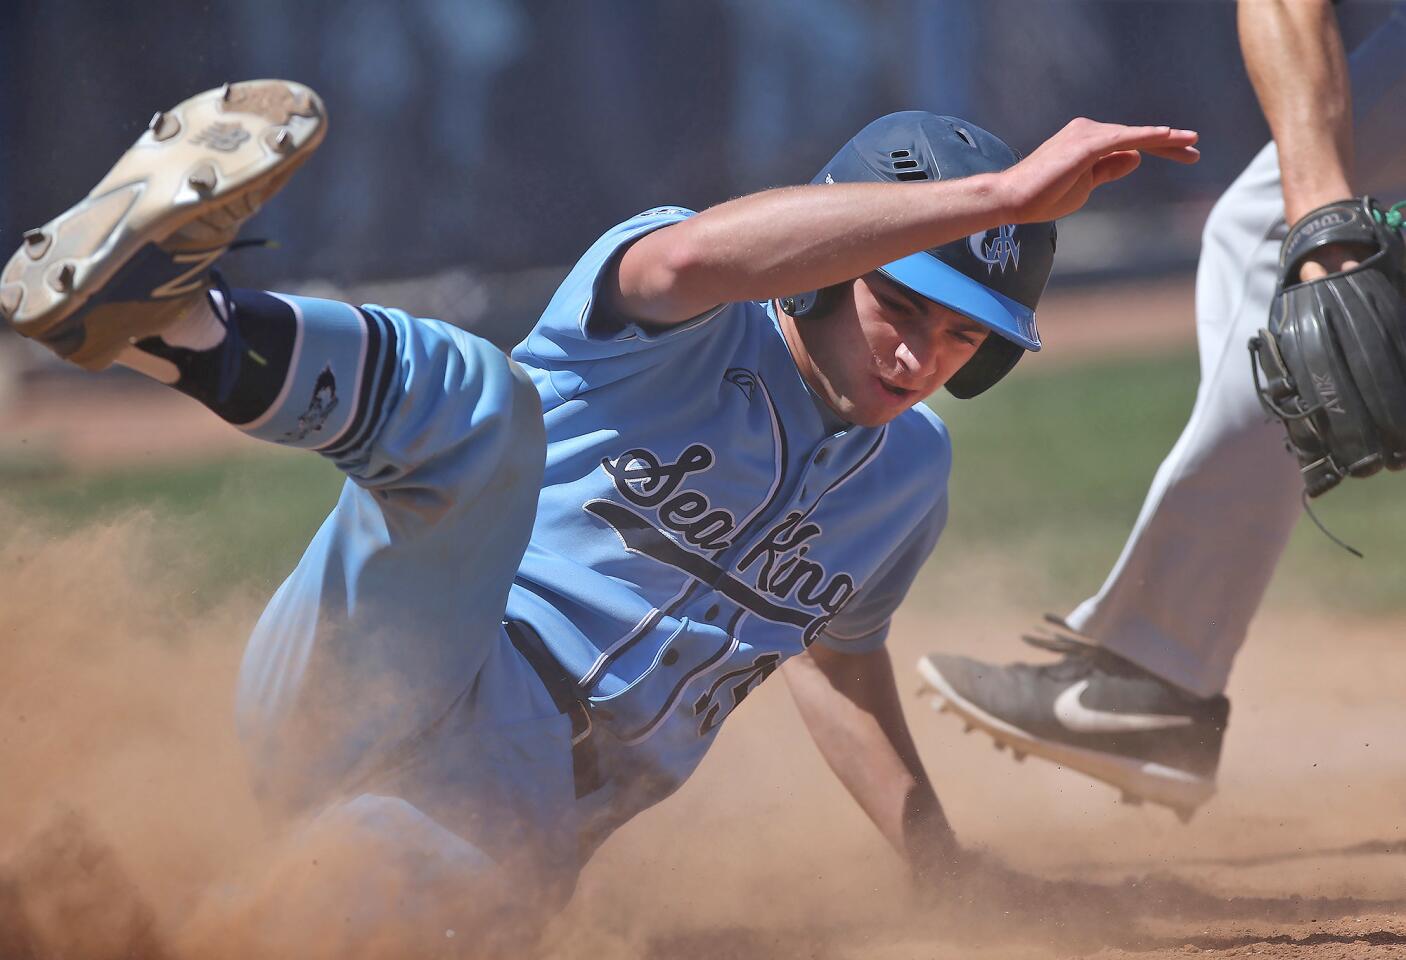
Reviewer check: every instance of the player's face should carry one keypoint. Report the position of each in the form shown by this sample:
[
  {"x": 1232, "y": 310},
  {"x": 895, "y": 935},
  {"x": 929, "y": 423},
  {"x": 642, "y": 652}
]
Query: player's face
[{"x": 880, "y": 350}]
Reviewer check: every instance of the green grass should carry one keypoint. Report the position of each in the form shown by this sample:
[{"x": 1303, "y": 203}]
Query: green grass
[
  {"x": 1050, "y": 470},
  {"x": 231, "y": 523}
]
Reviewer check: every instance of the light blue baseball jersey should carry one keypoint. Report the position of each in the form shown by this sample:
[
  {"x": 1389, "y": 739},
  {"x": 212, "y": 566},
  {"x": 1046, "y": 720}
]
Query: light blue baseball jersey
[{"x": 703, "y": 515}]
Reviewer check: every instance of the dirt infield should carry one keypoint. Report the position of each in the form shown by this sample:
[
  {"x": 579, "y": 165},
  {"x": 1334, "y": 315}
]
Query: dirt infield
[
  {"x": 1302, "y": 854},
  {"x": 125, "y": 804}
]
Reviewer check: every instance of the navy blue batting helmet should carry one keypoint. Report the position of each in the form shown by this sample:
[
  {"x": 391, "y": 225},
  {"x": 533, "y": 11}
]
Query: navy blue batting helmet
[{"x": 995, "y": 277}]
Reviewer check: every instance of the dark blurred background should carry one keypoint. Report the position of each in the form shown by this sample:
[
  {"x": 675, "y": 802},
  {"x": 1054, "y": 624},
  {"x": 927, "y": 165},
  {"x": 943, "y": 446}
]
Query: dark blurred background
[{"x": 506, "y": 134}]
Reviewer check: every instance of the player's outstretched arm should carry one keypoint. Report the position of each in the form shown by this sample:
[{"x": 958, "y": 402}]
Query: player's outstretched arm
[
  {"x": 773, "y": 243},
  {"x": 850, "y": 704}
]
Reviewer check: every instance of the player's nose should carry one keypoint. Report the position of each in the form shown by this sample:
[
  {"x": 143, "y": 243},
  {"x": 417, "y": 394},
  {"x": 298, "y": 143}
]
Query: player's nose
[{"x": 918, "y": 355}]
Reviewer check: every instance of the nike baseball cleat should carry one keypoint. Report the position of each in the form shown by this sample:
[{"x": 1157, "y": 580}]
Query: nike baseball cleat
[
  {"x": 136, "y": 252},
  {"x": 1094, "y": 712}
]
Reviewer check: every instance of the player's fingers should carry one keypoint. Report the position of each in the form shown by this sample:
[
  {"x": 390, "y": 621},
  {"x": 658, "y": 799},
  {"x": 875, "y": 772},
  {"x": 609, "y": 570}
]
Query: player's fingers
[
  {"x": 1171, "y": 136},
  {"x": 1127, "y": 136},
  {"x": 1116, "y": 136},
  {"x": 1185, "y": 154},
  {"x": 1115, "y": 166},
  {"x": 1333, "y": 258}
]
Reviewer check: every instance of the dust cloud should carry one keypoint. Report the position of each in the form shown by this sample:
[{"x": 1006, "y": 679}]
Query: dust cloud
[
  {"x": 123, "y": 785},
  {"x": 125, "y": 811}
]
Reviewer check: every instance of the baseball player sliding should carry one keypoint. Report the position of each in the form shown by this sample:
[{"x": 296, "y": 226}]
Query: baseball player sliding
[
  {"x": 550, "y": 579},
  {"x": 1137, "y": 699}
]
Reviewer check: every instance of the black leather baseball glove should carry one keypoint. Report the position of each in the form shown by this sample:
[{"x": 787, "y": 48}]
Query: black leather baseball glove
[{"x": 1332, "y": 364}]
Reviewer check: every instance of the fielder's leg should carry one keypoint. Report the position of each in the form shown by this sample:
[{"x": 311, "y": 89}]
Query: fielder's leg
[
  {"x": 1137, "y": 700},
  {"x": 1141, "y": 711},
  {"x": 1222, "y": 505},
  {"x": 1220, "y": 510}
]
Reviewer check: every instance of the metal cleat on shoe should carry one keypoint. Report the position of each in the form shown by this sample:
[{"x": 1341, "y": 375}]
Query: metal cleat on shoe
[
  {"x": 62, "y": 278},
  {"x": 10, "y": 300},
  {"x": 163, "y": 126},
  {"x": 36, "y": 243},
  {"x": 202, "y": 180}
]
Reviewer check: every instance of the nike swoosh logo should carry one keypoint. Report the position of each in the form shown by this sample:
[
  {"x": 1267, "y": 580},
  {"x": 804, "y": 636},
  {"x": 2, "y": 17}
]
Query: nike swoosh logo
[{"x": 1070, "y": 711}]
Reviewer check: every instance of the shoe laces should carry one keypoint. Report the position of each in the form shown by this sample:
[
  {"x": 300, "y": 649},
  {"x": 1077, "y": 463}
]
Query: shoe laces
[
  {"x": 1079, "y": 657},
  {"x": 264, "y": 242}
]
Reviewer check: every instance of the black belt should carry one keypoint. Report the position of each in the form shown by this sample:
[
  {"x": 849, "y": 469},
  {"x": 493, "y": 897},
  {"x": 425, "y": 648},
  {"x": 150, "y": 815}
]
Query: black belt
[{"x": 566, "y": 695}]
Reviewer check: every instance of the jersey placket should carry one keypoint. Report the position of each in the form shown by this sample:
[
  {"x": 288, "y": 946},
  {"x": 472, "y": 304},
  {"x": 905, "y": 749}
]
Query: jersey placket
[
  {"x": 824, "y": 464},
  {"x": 714, "y": 682}
]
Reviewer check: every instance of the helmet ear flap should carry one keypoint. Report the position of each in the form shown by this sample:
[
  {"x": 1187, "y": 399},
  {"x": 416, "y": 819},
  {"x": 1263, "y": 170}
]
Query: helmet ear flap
[
  {"x": 995, "y": 358},
  {"x": 814, "y": 302}
]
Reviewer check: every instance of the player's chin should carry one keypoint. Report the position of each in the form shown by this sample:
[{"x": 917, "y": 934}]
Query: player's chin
[{"x": 883, "y": 401}]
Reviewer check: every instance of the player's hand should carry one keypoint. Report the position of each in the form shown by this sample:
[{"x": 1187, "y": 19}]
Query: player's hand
[
  {"x": 1334, "y": 258},
  {"x": 1058, "y": 177},
  {"x": 977, "y": 886},
  {"x": 967, "y": 874}
]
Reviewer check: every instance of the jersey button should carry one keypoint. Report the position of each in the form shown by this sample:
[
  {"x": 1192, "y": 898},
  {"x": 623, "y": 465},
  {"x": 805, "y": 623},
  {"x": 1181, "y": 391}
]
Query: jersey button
[
  {"x": 670, "y": 658},
  {"x": 711, "y": 612}
]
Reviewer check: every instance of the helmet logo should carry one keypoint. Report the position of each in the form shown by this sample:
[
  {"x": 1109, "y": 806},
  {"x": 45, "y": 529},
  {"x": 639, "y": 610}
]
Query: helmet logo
[{"x": 998, "y": 250}]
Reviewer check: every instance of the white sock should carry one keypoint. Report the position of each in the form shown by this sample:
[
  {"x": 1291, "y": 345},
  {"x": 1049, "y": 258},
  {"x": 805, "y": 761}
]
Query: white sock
[{"x": 199, "y": 327}]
